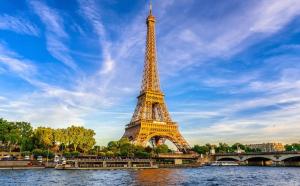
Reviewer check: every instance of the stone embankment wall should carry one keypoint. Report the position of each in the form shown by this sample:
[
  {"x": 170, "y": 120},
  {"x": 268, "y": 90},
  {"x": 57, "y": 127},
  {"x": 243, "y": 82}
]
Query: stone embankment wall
[{"x": 14, "y": 163}]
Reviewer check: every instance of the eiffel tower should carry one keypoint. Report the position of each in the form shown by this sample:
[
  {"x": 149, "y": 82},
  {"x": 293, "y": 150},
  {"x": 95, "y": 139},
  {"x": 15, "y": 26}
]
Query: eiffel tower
[{"x": 151, "y": 121}]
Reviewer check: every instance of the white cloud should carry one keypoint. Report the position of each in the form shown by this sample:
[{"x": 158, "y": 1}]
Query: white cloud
[
  {"x": 34, "y": 112},
  {"x": 196, "y": 41},
  {"x": 91, "y": 13},
  {"x": 60, "y": 51},
  {"x": 53, "y": 22},
  {"x": 18, "y": 25},
  {"x": 55, "y": 33},
  {"x": 109, "y": 65},
  {"x": 273, "y": 16},
  {"x": 113, "y": 79},
  {"x": 278, "y": 124},
  {"x": 281, "y": 125},
  {"x": 15, "y": 63}
]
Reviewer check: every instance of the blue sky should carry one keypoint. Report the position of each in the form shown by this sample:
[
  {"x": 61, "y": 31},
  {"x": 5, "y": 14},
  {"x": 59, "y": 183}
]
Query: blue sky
[{"x": 230, "y": 69}]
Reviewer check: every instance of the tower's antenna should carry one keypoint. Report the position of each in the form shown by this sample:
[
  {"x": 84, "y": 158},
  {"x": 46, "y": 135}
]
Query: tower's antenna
[{"x": 150, "y": 7}]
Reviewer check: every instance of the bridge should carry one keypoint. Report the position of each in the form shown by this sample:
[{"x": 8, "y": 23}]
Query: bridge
[{"x": 290, "y": 158}]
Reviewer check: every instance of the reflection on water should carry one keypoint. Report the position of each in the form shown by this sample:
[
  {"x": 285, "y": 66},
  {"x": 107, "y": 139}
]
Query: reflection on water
[
  {"x": 190, "y": 176},
  {"x": 161, "y": 176}
]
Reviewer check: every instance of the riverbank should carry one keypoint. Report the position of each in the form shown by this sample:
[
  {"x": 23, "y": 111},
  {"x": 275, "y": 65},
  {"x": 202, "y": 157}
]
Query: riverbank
[
  {"x": 20, "y": 168},
  {"x": 92, "y": 164},
  {"x": 95, "y": 163},
  {"x": 21, "y": 164}
]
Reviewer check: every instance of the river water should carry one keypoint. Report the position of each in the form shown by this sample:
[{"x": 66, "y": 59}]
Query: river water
[{"x": 187, "y": 176}]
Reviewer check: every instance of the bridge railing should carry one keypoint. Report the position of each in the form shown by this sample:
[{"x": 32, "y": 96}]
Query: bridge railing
[
  {"x": 257, "y": 153},
  {"x": 176, "y": 155}
]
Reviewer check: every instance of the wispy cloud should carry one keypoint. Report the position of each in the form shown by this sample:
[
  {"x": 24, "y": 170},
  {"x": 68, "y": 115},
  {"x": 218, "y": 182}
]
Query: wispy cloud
[
  {"x": 15, "y": 62},
  {"x": 18, "y": 25},
  {"x": 112, "y": 77},
  {"x": 273, "y": 126},
  {"x": 55, "y": 33},
  {"x": 279, "y": 123},
  {"x": 89, "y": 9},
  {"x": 196, "y": 40},
  {"x": 271, "y": 17}
]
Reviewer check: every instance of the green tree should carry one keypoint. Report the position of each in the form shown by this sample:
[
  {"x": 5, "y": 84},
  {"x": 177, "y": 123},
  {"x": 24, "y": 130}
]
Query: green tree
[
  {"x": 126, "y": 148},
  {"x": 201, "y": 149},
  {"x": 140, "y": 152},
  {"x": 162, "y": 148},
  {"x": 237, "y": 146},
  {"x": 76, "y": 135},
  {"x": 62, "y": 138},
  {"x": 37, "y": 152},
  {"x": 109, "y": 154},
  {"x": 3, "y": 130},
  {"x": 102, "y": 154},
  {"x": 45, "y": 135},
  {"x": 26, "y": 133},
  {"x": 80, "y": 137},
  {"x": 292, "y": 147},
  {"x": 59, "y": 136},
  {"x": 296, "y": 146},
  {"x": 88, "y": 140},
  {"x": 223, "y": 148},
  {"x": 11, "y": 134},
  {"x": 112, "y": 145}
]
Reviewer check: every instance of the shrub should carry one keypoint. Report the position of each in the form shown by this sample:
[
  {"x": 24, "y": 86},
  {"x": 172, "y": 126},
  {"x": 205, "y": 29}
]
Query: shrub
[
  {"x": 48, "y": 154},
  {"x": 67, "y": 154},
  {"x": 74, "y": 154},
  {"x": 142, "y": 154},
  {"x": 37, "y": 152},
  {"x": 109, "y": 154},
  {"x": 26, "y": 153},
  {"x": 102, "y": 154}
]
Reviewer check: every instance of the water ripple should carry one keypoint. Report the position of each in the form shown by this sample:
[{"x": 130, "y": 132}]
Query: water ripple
[{"x": 210, "y": 176}]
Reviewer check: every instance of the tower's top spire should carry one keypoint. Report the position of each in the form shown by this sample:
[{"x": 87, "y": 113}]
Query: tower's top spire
[
  {"x": 150, "y": 79},
  {"x": 150, "y": 17},
  {"x": 150, "y": 12}
]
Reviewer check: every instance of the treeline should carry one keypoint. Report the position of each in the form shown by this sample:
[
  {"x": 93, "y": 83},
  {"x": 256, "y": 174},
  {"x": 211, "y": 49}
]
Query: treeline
[
  {"x": 70, "y": 142},
  {"x": 124, "y": 148},
  {"x": 225, "y": 148},
  {"x": 292, "y": 147},
  {"x": 222, "y": 148},
  {"x": 21, "y": 137}
]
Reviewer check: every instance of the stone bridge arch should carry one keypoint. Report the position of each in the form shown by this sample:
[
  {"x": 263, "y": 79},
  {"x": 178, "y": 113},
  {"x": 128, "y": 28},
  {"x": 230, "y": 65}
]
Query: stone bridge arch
[
  {"x": 229, "y": 158},
  {"x": 285, "y": 157},
  {"x": 259, "y": 161}
]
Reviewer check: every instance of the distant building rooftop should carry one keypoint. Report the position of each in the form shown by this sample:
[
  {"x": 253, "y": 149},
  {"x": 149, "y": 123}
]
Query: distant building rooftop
[{"x": 267, "y": 147}]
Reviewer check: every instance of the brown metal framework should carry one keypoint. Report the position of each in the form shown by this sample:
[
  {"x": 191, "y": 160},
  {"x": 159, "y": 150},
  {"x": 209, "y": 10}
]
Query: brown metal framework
[{"x": 151, "y": 120}]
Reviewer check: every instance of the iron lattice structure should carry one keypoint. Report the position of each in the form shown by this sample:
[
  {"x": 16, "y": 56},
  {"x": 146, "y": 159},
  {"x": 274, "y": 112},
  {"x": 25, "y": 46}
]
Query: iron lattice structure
[{"x": 151, "y": 120}]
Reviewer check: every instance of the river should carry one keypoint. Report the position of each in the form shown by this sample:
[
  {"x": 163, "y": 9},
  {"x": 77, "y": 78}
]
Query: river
[{"x": 188, "y": 176}]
